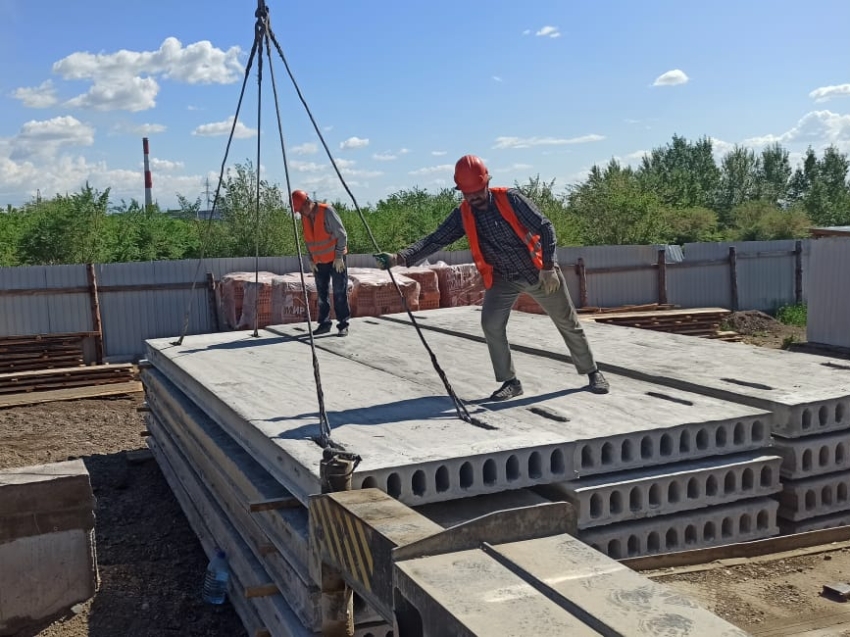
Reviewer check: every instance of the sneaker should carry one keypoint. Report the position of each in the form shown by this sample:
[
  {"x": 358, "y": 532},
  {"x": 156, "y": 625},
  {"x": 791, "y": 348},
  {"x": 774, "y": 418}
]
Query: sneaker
[
  {"x": 324, "y": 328},
  {"x": 598, "y": 384},
  {"x": 343, "y": 331},
  {"x": 509, "y": 389}
]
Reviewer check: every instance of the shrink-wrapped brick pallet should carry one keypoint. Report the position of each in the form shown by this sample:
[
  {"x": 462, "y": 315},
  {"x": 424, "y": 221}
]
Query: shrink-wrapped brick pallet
[
  {"x": 288, "y": 304},
  {"x": 526, "y": 303},
  {"x": 232, "y": 288},
  {"x": 429, "y": 285},
  {"x": 374, "y": 293},
  {"x": 459, "y": 284},
  {"x": 257, "y": 302}
]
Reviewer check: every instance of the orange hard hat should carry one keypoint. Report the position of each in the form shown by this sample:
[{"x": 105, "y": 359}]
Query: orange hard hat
[
  {"x": 299, "y": 197},
  {"x": 471, "y": 174}
]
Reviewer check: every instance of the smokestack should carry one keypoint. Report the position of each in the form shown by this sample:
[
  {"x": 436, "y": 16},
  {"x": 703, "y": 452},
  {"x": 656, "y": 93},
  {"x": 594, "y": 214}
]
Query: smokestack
[{"x": 148, "y": 178}]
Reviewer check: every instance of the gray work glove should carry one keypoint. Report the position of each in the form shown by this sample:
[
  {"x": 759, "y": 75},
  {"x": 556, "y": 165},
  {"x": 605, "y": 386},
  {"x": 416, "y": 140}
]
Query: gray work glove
[
  {"x": 339, "y": 265},
  {"x": 549, "y": 281}
]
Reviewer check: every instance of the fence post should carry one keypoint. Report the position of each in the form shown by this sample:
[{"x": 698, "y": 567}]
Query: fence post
[
  {"x": 733, "y": 277},
  {"x": 798, "y": 272},
  {"x": 582, "y": 282},
  {"x": 95, "y": 313},
  {"x": 662, "y": 277}
]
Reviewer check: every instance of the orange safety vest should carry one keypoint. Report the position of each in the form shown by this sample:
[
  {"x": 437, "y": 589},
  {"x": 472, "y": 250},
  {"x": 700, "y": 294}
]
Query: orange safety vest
[
  {"x": 320, "y": 244},
  {"x": 532, "y": 241}
]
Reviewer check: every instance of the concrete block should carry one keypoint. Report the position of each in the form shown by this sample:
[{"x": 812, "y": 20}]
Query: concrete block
[
  {"x": 813, "y": 455},
  {"x": 47, "y": 549},
  {"x": 807, "y": 394},
  {"x": 812, "y": 497},
  {"x": 828, "y": 521},
  {"x": 634, "y": 495},
  {"x": 713, "y": 526}
]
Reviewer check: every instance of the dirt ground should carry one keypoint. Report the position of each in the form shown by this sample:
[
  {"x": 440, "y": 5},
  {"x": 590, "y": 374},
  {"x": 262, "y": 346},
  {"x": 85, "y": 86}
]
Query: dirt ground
[
  {"x": 151, "y": 564},
  {"x": 763, "y": 330}
]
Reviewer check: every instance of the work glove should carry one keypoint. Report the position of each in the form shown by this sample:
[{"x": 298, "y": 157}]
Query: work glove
[
  {"x": 339, "y": 265},
  {"x": 313, "y": 267},
  {"x": 386, "y": 260},
  {"x": 549, "y": 281}
]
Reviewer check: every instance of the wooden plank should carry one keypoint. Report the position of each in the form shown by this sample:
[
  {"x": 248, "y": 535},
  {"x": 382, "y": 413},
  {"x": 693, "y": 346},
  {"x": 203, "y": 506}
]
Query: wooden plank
[
  {"x": 756, "y": 548},
  {"x": 75, "y": 393},
  {"x": 262, "y": 590},
  {"x": 72, "y": 371},
  {"x": 582, "y": 282},
  {"x": 272, "y": 504},
  {"x": 681, "y": 312},
  {"x": 95, "y": 313}
]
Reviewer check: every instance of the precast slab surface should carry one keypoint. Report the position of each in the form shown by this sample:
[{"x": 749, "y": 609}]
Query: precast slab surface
[
  {"x": 639, "y": 425},
  {"x": 807, "y": 394},
  {"x": 385, "y": 402}
]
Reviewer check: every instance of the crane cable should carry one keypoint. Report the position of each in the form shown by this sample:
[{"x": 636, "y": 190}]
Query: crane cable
[{"x": 263, "y": 33}]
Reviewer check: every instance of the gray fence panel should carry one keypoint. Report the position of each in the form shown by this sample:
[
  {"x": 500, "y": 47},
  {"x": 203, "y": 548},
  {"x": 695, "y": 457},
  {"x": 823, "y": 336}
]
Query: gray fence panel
[
  {"x": 829, "y": 294},
  {"x": 24, "y": 314},
  {"x": 126, "y": 316},
  {"x": 68, "y": 312}
]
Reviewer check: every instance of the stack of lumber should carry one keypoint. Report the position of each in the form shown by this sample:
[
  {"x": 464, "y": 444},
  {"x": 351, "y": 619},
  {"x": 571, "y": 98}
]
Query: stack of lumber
[
  {"x": 703, "y": 322},
  {"x": 66, "y": 383},
  {"x": 42, "y": 351}
]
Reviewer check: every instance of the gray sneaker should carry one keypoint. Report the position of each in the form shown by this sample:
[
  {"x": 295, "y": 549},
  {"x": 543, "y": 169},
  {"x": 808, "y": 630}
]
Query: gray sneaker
[
  {"x": 343, "y": 331},
  {"x": 509, "y": 389}
]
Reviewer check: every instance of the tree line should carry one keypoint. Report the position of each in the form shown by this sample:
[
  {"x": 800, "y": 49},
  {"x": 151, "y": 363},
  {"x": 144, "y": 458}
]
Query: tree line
[{"x": 678, "y": 194}]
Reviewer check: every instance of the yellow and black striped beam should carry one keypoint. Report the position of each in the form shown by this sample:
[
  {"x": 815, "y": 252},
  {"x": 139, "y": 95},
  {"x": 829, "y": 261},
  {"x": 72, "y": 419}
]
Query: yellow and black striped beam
[{"x": 355, "y": 532}]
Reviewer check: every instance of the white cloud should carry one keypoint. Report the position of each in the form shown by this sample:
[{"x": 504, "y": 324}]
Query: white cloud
[
  {"x": 44, "y": 139},
  {"x": 125, "y": 80},
  {"x": 431, "y": 170},
  {"x": 308, "y": 148},
  {"x": 548, "y": 32},
  {"x": 637, "y": 155},
  {"x": 216, "y": 129},
  {"x": 528, "y": 142},
  {"x": 165, "y": 165},
  {"x": 354, "y": 142},
  {"x": 41, "y": 96},
  {"x": 497, "y": 78},
  {"x": 306, "y": 166},
  {"x": 139, "y": 129},
  {"x": 825, "y": 93},
  {"x": 403, "y": 151},
  {"x": 438, "y": 153},
  {"x": 818, "y": 128},
  {"x": 193, "y": 108},
  {"x": 527, "y": 32},
  {"x": 384, "y": 157},
  {"x": 671, "y": 78}
]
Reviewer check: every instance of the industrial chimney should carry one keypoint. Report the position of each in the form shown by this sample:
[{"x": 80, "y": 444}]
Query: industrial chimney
[{"x": 148, "y": 178}]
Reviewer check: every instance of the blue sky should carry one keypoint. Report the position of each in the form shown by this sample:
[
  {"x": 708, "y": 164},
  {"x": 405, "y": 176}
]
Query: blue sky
[{"x": 402, "y": 89}]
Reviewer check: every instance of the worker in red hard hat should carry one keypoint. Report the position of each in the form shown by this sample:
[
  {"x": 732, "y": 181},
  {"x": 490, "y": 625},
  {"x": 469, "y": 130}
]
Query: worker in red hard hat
[
  {"x": 513, "y": 246},
  {"x": 327, "y": 245}
]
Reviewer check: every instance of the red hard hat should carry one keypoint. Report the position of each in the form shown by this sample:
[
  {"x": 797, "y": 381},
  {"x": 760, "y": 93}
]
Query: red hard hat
[
  {"x": 298, "y": 199},
  {"x": 471, "y": 174}
]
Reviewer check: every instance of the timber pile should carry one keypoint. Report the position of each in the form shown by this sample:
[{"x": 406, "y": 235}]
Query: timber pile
[
  {"x": 43, "y": 351},
  {"x": 64, "y": 378},
  {"x": 702, "y": 322}
]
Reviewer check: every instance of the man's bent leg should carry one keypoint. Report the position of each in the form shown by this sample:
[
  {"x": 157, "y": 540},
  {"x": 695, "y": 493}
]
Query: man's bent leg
[
  {"x": 559, "y": 306},
  {"x": 498, "y": 301}
]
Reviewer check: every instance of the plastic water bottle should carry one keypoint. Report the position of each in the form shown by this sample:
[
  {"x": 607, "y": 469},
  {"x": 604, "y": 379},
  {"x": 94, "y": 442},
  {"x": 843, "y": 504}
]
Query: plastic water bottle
[{"x": 215, "y": 581}]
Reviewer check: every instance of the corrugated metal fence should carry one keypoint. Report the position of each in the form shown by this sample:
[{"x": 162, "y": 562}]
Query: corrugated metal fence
[{"x": 149, "y": 300}]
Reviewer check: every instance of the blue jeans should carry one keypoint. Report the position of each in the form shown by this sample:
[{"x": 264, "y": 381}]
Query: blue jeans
[{"x": 325, "y": 273}]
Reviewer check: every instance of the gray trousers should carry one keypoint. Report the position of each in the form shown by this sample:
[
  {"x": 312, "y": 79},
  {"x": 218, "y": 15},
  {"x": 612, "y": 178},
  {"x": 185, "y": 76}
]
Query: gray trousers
[{"x": 498, "y": 301}]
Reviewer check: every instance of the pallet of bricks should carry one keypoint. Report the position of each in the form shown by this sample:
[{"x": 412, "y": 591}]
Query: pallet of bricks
[{"x": 374, "y": 293}]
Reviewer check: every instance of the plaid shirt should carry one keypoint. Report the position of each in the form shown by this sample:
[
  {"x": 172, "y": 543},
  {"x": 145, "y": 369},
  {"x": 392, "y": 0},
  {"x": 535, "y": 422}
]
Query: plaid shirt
[{"x": 500, "y": 245}]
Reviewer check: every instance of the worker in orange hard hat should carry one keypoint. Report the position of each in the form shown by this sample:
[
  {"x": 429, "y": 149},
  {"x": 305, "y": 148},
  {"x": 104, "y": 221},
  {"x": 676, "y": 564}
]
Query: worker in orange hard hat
[
  {"x": 513, "y": 246},
  {"x": 327, "y": 245}
]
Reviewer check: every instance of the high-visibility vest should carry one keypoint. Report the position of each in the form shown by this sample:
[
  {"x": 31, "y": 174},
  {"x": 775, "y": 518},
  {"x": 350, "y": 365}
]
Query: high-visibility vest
[
  {"x": 320, "y": 244},
  {"x": 532, "y": 241}
]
